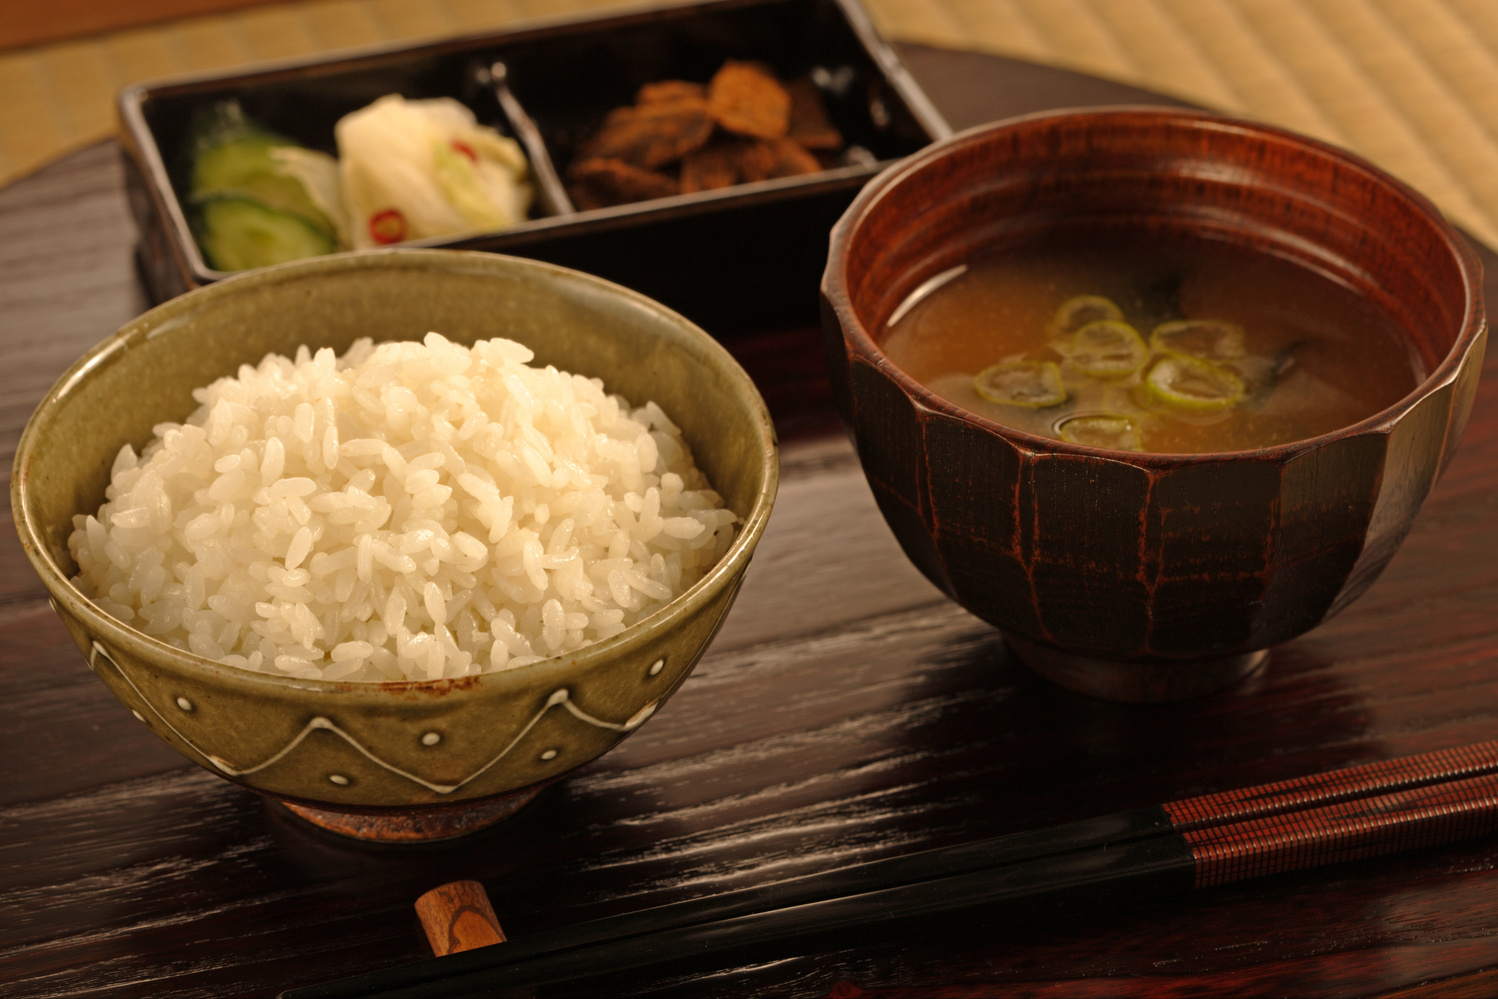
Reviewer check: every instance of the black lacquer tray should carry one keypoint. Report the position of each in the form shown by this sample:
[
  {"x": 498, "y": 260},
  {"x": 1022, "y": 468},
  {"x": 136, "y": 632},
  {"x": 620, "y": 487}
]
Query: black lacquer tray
[{"x": 768, "y": 239}]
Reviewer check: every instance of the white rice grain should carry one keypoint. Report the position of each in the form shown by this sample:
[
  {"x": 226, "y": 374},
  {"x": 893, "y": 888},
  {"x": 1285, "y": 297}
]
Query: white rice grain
[{"x": 409, "y": 511}]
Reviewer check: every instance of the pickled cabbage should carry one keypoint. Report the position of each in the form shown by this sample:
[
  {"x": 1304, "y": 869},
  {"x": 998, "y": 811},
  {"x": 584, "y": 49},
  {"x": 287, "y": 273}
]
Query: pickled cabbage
[{"x": 422, "y": 168}]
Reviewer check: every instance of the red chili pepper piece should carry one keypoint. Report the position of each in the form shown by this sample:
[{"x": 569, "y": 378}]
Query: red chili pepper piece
[
  {"x": 460, "y": 146},
  {"x": 388, "y": 226}
]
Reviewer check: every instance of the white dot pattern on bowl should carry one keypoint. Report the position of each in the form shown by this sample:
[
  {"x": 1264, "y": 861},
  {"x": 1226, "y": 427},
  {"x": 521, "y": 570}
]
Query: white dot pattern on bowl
[
  {"x": 560, "y": 698},
  {"x": 138, "y": 716},
  {"x": 184, "y": 703},
  {"x": 431, "y": 738},
  {"x": 657, "y": 666}
]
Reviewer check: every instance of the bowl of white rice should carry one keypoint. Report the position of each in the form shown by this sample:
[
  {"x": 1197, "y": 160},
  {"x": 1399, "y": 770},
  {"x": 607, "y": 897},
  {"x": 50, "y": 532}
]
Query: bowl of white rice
[{"x": 397, "y": 538}]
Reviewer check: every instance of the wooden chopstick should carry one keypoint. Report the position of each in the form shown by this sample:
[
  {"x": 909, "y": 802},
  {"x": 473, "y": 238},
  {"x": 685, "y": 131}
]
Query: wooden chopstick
[
  {"x": 1368, "y": 779},
  {"x": 1213, "y": 839},
  {"x": 1348, "y": 830}
]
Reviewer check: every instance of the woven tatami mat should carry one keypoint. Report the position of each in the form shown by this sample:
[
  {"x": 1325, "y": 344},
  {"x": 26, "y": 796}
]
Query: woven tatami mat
[{"x": 1411, "y": 84}]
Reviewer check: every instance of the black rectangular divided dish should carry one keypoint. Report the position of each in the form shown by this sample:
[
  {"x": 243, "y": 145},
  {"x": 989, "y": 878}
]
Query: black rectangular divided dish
[{"x": 742, "y": 258}]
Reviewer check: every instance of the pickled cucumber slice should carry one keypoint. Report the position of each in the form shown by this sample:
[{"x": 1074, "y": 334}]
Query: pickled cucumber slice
[
  {"x": 1208, "y": 339},
  {"x": 239, "y": 233},
  {"x": 1191, "y": 383},
  {"x": 1080, "y": 310},
  {"x": 1034, "y": 384},
  {"x": 1108, "y": 348},
  {"x": 1109, "y": 430},
  {"x": 232, "y": 155},
  {"x": 244, "y": 167}
]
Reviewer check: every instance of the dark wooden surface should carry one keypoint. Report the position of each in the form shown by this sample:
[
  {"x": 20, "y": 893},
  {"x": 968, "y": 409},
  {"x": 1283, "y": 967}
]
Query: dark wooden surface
[{"x": 846, "y": 712}]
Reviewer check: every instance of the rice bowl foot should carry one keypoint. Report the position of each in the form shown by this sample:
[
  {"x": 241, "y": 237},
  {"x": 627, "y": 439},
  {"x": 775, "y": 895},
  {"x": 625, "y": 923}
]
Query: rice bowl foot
[{"x": 416, "y": 824}]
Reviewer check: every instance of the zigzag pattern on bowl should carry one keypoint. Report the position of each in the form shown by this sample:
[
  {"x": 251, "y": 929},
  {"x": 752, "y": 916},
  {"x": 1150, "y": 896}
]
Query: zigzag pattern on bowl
[{"x": 561, "y": 697}]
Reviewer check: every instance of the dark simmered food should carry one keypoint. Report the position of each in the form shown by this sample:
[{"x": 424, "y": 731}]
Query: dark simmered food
[
  {"x": 651, "y": 135},
  {"x": 729, "y": 160},
  {"x": 767, "y": 159},
  {"x": 809, "y": 124},
  {"x": 684, "y": 137},
  {"x": 713, "y": 166},
  {"x": 667, "y": 91},
  {"x": 745, "y": 97},
  {"x": 602, "y": 182}
]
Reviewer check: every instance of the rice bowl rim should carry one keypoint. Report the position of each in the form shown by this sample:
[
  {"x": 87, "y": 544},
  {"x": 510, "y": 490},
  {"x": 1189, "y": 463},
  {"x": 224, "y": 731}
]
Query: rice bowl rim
[{"x": 158, "y": 321}]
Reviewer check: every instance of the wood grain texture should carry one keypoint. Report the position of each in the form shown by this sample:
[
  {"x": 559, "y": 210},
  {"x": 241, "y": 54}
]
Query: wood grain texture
[
  {"x": 66, "y": 250},
  {"x": 33, "y": 23},
  {"x": 457, "y": 916},
  {"x": 847, "y": 712}
]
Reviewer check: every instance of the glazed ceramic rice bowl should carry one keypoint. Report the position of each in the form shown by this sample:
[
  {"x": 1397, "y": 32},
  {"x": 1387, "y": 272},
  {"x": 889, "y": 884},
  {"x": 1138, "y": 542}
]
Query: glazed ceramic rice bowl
[{"x": 409, "y": 759}]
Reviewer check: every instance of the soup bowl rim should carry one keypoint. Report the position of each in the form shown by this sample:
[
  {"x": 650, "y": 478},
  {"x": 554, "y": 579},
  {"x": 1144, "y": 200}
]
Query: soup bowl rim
[{"x": 834, "y": 287}]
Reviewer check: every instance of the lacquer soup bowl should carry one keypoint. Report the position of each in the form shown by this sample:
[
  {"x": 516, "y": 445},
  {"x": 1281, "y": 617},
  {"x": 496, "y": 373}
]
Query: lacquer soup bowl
[{"x": 1138, "y": 576}]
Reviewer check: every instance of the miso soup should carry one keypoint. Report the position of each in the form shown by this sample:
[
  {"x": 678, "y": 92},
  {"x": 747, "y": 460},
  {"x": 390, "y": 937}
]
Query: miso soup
[{"x": 1127, "y": 339}]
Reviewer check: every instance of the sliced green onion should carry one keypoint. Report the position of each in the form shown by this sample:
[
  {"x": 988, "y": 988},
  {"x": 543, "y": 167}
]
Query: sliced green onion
[
  {"x": 1191, "y": 383},
  {"x": 1080, "y": 310},
  {"x": 1034, "y": 384},
  {"x": 1207, "y": 339},
  {"x": 1108, "y": 348},
  {"x": 1108, "y": 430}
]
